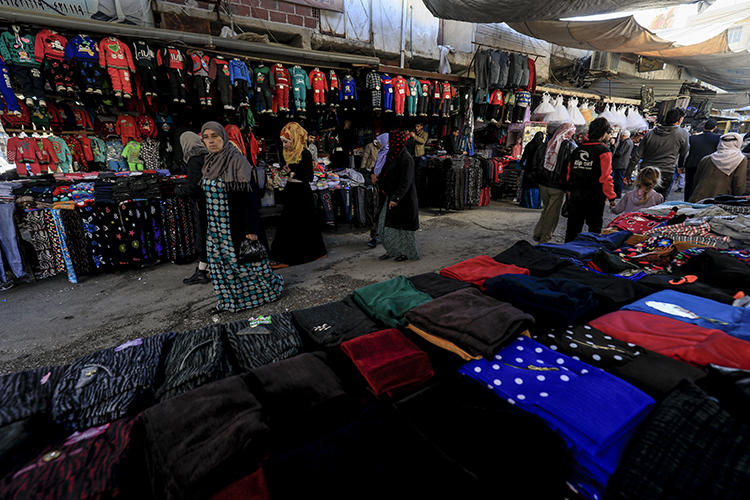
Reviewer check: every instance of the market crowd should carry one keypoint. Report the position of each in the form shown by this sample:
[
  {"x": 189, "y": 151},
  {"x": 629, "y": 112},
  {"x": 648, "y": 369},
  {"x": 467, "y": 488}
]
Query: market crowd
[{"x": 575, "y": 175}]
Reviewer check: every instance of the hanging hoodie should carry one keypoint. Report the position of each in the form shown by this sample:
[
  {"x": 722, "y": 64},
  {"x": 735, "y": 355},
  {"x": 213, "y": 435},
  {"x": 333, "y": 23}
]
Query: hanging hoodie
[
  {"x": 82, "y": 48},
  {"x": 18, "y": 50}
]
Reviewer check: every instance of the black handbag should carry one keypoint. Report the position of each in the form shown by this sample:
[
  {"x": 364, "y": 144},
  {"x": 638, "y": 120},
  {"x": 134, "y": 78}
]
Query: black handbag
[{"x": 251, "y": 251}]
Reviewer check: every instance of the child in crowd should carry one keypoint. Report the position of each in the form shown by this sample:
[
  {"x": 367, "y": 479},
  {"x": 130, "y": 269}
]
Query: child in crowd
[{"x": 643, "y": 196}]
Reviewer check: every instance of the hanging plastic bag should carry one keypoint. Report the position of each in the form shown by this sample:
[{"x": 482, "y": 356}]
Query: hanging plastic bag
[{"x": 575, "y": 113}]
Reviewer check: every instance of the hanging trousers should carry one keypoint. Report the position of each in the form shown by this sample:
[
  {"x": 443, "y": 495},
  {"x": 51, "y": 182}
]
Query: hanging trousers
[{"x": 8, "y": 242}]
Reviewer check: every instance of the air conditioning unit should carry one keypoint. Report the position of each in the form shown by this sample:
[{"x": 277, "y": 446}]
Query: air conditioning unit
[{"x": 605, "y": 61}]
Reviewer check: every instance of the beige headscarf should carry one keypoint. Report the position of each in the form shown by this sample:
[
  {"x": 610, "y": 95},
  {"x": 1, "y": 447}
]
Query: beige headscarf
[
  {"x": 728, "y": 155},
  {"x": 298, "y": 137}
]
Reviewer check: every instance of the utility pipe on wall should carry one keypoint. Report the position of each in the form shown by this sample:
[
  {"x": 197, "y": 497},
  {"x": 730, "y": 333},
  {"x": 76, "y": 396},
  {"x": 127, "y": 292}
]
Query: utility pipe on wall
[{"x": 403, "y": 32}]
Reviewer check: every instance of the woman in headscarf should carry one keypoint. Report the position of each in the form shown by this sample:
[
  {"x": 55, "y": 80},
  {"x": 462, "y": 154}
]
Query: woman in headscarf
[
  {"x": 532, "y": 163},
  {"x": 298, "y": 239},
  {"x": 723, "y": 172},
  {"x": 194, "y": 153},
  {"x": 233, "y": 216},
  {"x": 553, "y": 180},
  {"x": 382, "y": 154},
  {"x": 399, "y": 218}
]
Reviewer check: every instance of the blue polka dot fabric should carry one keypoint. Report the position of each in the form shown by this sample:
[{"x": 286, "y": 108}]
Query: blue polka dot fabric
[{"x": 594, "y": 411}]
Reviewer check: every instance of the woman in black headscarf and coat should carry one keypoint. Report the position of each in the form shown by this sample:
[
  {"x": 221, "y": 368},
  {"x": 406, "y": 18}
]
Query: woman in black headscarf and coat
[{"x": 532, "y": 162}]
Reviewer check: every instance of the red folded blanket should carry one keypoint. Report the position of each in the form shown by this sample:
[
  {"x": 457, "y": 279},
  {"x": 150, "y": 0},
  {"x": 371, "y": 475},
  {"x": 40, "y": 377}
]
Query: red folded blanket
[
  {"x": 677, "y": 339},
  {"x": 479, "y": 269},
  {"x": 388, "y": 360}
]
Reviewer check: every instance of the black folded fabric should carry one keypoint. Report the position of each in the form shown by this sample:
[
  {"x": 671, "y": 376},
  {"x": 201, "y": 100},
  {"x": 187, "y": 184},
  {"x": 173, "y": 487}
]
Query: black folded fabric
[
  {"x": 688, "y": 448},
  {"x": 331, "y": 324},
  {"x": 263, "y": 340},
  {"x": 718, "y": 270},
  {"x": 538, "y": 260},
  {"x": 476, "y": 323},
  {"x": 27, "y": 393},
  {"x": 22, "y": 440},
  {"x": 654, "y": 374},
  {"x": 109, "y": 384},
  {"x": 552, "y": 301},
  {"x": 471, "y": 425},
  {"x": 192, "y": 359},
  {"x": 610, "y": 263},
  {"x": 731, "y": 386},
  {"x": 436, "y": 285},
  {"x": 657, "y": 282},
  {"x": 199, "y": 442}
]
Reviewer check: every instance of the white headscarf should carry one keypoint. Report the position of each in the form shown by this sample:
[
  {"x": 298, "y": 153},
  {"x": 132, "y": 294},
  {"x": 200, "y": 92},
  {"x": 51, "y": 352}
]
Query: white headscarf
[
  {"x": 564, "y": 132},
  {"x": 728, "y": 155}
]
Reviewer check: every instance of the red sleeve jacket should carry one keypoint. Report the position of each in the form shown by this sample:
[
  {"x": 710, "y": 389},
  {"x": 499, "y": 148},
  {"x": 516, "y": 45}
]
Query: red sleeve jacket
[
  {"x": 49, "y": 44},
  {"x": 88, "y": 152},
  {"x": 127, "y": 129},
  {"x": 114, "y": 53},
  {"x": 171, "y": 58},
  {"x": 146, "y": 126},
  {"x": 35, "y": 153},
  {"x": 318, "y": 81}
]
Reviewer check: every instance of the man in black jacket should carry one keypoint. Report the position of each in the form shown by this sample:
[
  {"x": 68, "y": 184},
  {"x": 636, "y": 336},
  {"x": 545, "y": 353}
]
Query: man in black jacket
[
  {"x": 701, "y": 145},
  {"x": 620, "y": 160}
]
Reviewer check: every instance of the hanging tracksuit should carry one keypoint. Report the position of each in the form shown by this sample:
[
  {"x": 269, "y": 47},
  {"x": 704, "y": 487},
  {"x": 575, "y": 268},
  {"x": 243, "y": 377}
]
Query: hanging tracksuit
[
  {"x": 146, "y": 126},
  {"x": 496, "y": 105},
  {"x": 281, "y": 80},
  {"x": 218, "y": 71},
  {"x": 437, "y": 98},
  {"x": 413, "y": 96},
  {"x": 32, "y": 156},
  {"x": 425, "y": 96},
  {"x": 348, "y": 93},
  {"x": 64, "y": 158},
  {"x": 99, "y": 149},
  {"x": 319, "y": 85},
  {"x": 387, "y": 83},
  {"x": 174, "y": 64},
  {"x": 49, "y": 48},
  {"x": 590, "y": 184},
  {"x": 300, "y": 86},
  {"x": 114, "y": 156},
  {"x": 18, "y": 51},
  {"x": 132, "y": 154},
  {"x": 334, "y": 84},
  {"x": 115, "y": 55},
  {"x": 6, "y": 89},
  {"x": 263, "y": 95},
  {"x": 449, "y": 92},
  {"x": 374, "y": 84},
  {"x": 145, "y": 62},
  {"x": 198, "y": 69},
  {"x": 127, "y": 128},
  {"x": 241, "y": 82},
  {"x": 83, "y": 52},
  {"x": 401, "y": 92}
]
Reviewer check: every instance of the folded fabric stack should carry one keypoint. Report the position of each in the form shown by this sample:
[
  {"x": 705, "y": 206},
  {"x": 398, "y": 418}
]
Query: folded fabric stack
[
  {"x": 479, "y": 269},
  {"x": 388, "y": 301}
]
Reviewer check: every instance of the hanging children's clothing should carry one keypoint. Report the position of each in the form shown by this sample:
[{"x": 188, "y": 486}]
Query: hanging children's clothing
[
  {"x": 219, "y": 72},
  {"x": 64, "y": 158},
  {"x": 6, "y": 90},
  {"x": 319, "y": 85},
  {"x": 149, "y": 154},
  {"x": 495, "y": 105},
  {"x": 127, "y": 128},
  {"x": 49, "y": 49},
  {"x": 145, "y": 62},
  {"x": 300, "y": 86},
  {"x": 199, "y": 67},
  {"x": 373, "y": 83},
  {"x": 173, "y": 62},
  {"x": 348, "y": 94},
  {"x": 280, "y": 79},
  {"x": 400, "y": 93},
  {"x": 437, "y": 98},
  {"x": 241, "y": 82},
  {"x": 263, "y": 94},
  {"x": 99, "y": 150},
  {"x": 115, "y": 161},
  {"x": 449, "y": 92},
  {"x": 146, "y": 126},
  {"x": 132, "y": 154},
  {"x": 83, "y": 52},
  {"x": 115, "y": 55},
  {"x": 425, "y": 96},
  {"x": 413, "y": 96},
  {"x": 387, "y": 82},
  {"x": 18, "y": 51},
  {"x": 335, "y": 88}
]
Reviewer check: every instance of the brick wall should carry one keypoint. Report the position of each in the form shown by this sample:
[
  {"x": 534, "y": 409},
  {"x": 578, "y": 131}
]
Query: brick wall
[{"x": 277, "y": 11}]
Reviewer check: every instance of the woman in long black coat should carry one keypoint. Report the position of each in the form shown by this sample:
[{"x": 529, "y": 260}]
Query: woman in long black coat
[{"x": 400, "y": 219}]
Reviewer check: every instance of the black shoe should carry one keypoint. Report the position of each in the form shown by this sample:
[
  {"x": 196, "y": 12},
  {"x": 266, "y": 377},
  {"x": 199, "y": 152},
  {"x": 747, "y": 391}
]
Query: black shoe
[
  {"x": 401, "y": 258},
  {"x": 6, "y": 286},
  {"x": 198, "y": 278},
  {"x": 26, "y": 278},
  {"x": 372, "y": 243},
  {"x": 385, "y": 256}
]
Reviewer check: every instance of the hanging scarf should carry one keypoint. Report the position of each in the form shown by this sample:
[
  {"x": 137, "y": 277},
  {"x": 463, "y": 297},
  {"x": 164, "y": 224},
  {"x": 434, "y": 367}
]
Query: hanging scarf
[
  {"x": 382, "y": 153},
  {"x": 192, "y": 145},
  {"x": 235, "y": 137},
  {"x": 298, "y": 135},
  {"x": 728, "y": 155},
  {"x": 396, "y": 144},
  {"x": 229, "y": 164},
  {"x": 564, "y": 132}
]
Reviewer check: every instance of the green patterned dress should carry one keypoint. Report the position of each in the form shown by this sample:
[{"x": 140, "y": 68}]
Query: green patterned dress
[{"x": 237, "y": 286}]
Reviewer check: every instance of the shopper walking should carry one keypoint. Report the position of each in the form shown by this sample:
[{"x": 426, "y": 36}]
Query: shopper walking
[
  {"x": 399, "y": 218},
  {"x": 298, "y": 239},
  {"x": 379, "y": 163},
  {"x": 621, "y": 160},
  {"x": 194, "y": 153},
  {"x": 701, "y": 145},
  {"x": 643, "y": 196},
  {"x": 666, "y": 147},
  {"x": 532, "y": 163},
  {"x": 553, "y": 183},
  {"x": 590, "y": 180},
  {"x": 723, "y": 172},
  {"x": 233, "y": 216}
]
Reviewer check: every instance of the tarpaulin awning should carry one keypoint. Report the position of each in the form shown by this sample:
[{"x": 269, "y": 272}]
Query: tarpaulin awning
[{"x": 496, "y": 11}]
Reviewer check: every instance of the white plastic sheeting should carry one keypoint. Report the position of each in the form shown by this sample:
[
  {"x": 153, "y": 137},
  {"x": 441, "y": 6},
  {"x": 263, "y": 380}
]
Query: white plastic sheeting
[{"x": 494, "y": 11}]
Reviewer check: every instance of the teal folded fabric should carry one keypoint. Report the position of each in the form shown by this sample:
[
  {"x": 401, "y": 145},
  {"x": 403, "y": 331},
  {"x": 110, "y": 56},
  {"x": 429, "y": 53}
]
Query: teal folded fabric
[{"x": 388, "y": 301}]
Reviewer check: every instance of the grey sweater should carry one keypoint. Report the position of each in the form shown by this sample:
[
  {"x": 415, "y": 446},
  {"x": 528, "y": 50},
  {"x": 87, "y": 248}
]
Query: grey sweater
[{"x": 665, "y": 148}]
